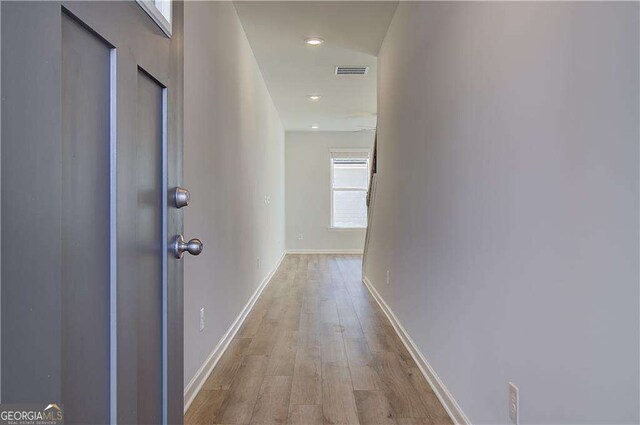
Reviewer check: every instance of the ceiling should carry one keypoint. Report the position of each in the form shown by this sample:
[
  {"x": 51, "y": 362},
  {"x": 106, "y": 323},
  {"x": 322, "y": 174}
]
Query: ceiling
[{"x": 352, "y": 33}]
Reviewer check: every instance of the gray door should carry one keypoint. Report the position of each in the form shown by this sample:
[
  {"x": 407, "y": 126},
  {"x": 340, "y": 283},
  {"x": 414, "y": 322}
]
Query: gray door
[{"x": 91, "y": 293}]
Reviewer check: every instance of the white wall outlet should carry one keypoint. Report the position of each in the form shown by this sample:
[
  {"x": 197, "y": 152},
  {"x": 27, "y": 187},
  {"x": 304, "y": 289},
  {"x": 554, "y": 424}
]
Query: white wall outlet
[
  {"x": 514, "y": 404},
  {"x": 388, "y": 277},
  {"x": 267, "y": 199},
  {"x": 201, "y": 319},
  {"x": 257, "y": 263},
  {"x": 300, "y": 236}
]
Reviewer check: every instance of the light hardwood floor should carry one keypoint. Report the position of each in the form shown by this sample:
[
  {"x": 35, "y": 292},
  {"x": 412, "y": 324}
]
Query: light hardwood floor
[{"x": 316, "y": 349}]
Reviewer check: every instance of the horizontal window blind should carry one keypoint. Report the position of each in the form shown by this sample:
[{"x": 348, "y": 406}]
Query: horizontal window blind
[
  {"x": 350, "y": 154},
  {"x": 350, "y": 174},
  {"x": 349, "y": 184}
]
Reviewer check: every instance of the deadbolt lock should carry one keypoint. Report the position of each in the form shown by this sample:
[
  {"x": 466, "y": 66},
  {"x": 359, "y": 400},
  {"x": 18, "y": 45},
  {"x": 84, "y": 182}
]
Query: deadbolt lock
[{"x": 181, "y": 197}]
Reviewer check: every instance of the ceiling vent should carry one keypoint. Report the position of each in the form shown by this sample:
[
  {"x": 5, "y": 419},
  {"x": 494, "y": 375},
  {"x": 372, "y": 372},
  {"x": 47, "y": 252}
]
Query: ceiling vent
[{"x": 352, "y": 70}]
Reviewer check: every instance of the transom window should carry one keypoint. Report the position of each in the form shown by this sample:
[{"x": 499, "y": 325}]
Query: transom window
[
  {"x": 160, "y": 12},
  {"x": 349, "y": 185}
]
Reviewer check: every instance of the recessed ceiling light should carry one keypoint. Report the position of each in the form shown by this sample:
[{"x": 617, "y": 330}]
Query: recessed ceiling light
[
  {"x": 314, "y": 97},
  {"x": 314, "y": 41},
  {"x": 315, "y": 127}
]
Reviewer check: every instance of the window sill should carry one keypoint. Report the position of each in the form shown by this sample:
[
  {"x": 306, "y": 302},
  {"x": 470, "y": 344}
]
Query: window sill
[{"x": 338, "y": 229}]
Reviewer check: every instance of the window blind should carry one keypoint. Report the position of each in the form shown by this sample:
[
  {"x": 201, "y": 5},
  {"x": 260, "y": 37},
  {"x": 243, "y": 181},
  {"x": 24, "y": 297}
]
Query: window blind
[
  {"x": 364, "y": 155},
  {"x": 349, "y": 184}
]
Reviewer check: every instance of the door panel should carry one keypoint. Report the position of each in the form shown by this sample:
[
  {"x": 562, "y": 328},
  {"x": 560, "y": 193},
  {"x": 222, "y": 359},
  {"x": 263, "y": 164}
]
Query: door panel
[
  {"x": 85, "y": 224},
  {"x": 149, "y": 136}
]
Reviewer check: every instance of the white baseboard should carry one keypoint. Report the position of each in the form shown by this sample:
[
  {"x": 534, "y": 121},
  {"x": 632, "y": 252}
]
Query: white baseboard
[
  {"x": 205, "y": 370},
  {"x": 325, "y": 251},
  {"x": 450, "y": 405}
]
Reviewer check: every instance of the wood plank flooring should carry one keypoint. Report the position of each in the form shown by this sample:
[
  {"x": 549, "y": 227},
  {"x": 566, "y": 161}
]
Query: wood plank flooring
[{"x": 316, "y": 349}]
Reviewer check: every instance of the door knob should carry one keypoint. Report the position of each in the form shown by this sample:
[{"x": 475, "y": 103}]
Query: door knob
[{"x": 193, "y": 247}]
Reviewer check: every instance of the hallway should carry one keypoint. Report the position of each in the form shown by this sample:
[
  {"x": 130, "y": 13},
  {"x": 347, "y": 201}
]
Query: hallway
[
  {"x": 316, "y": 349},
  {"x": 320, "y": 212}
]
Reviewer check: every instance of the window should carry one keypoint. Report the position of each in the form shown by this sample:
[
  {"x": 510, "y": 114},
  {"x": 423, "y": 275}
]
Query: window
[
  {"x": 160, "y": 12},
  {"x": 349, "y": 184}
]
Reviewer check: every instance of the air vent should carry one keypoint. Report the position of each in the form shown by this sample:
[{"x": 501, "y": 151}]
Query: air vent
[{"x": 351, "y": 70}]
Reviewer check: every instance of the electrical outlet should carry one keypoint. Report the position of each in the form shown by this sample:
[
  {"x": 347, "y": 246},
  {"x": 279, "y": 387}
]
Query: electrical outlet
[
  {"x": 201, "y": 319},
  {"x": 514, "y": 404},
  {"x": 388, "y": 278},
  {"x": 300, "y": 236},
  {"x": 258, "y": 263}
]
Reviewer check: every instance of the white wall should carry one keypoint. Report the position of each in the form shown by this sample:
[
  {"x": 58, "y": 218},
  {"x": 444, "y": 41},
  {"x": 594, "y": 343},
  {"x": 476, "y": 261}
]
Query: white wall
[
  {"x": 507, "y": 206},
  {"x": 308, "y": 196},
  {"x": 234, "y": 157}
]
